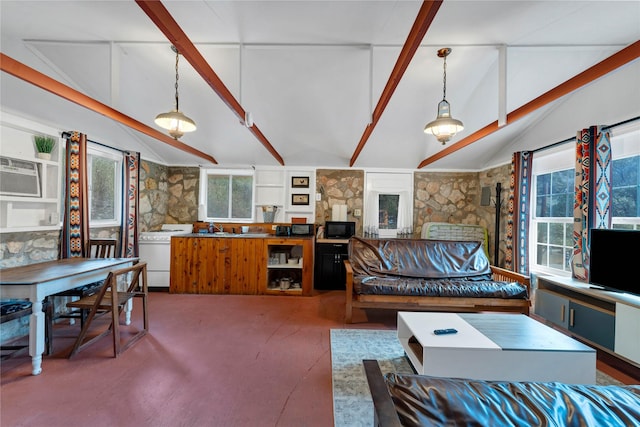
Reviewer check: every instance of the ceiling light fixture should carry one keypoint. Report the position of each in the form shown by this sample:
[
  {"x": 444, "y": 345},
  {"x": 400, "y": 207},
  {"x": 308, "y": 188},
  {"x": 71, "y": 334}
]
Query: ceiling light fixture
[
  {"x": 444, "y": 127},
  {"x": 174, "y": 121}
]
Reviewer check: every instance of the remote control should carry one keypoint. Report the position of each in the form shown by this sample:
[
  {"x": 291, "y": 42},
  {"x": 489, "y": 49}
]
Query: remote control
[{"x": 445, "y": 331}]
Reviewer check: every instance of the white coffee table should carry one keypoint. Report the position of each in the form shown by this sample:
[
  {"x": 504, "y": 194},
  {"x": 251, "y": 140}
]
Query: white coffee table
[{"x": 491, "y": 346}]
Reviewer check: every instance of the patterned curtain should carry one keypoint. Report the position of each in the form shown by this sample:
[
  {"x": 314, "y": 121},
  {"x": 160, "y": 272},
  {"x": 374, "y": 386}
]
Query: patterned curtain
[
  {"x": 75, "y": 231},
  {"x": 129, "y": 230},
  {"x": 517, "y": 239},
  {"x": 592, "y": 204}
]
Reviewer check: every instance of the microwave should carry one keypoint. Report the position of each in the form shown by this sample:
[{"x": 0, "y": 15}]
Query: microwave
[
  {"x": 302, "y": 229},
  {"x": 339, "y": 229}
]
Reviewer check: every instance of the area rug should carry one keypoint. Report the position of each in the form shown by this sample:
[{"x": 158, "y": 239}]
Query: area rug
[{"x": 352, "y": 405}]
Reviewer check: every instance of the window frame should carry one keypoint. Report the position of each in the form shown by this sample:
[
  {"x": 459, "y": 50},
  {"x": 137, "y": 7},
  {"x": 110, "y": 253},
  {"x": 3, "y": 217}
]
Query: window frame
[
  {"x": 388, "y": 183},
  {"x": 624, "y": 143},
  {"x": 94, "y": 150},
  {"x": 203, "y": 214}
]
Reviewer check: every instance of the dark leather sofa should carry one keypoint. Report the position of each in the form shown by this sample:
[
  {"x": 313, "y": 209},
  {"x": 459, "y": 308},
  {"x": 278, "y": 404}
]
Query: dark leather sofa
[
  {"x": 417, "y": 400},
  {"x": 430, "y": 275}
]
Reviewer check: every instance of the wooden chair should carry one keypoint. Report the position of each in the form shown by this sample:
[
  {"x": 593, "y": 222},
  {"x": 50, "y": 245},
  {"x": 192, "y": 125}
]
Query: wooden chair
[
  {"x": 98, "y": 248},
  {"x": 12, "y": 309},
  {"x": 133, "y": 284}
]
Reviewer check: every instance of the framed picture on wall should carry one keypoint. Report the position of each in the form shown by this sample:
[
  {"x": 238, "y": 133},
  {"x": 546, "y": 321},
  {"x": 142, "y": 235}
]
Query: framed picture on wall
[
  {"x": 299, "y": 199},
  {"x": 300, "y": 181}
]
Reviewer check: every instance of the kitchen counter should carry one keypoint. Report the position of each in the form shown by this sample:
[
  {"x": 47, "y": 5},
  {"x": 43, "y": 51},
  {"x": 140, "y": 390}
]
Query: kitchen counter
[
  {"x": 244, "y": 235},
  {"x": 241, "y": 264}
]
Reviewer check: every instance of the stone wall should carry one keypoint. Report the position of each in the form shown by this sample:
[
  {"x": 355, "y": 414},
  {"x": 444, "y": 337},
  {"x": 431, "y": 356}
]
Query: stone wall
[
  {"x": 340, "y": 187},
  {"x": 489, "y": 178},
  {"x": 29, "y": 247},
  {"x": 450, "y": 197},
  {"x": 168, "y": 195},
  {"x": 454, "y": 197}
]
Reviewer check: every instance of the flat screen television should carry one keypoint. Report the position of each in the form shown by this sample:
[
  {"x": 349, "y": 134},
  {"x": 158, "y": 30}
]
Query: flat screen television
[{"x": 614, "y": 259}]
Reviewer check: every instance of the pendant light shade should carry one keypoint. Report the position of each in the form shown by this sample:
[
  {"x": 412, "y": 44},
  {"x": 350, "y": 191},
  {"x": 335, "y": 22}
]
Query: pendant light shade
[
  {"x": 174, "y": 121},
  {"x": 444, "y": 127}
]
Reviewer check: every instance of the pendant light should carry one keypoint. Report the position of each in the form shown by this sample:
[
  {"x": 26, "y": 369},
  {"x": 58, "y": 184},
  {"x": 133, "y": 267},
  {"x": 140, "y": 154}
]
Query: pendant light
[
  {"x": 174, "y": 121},
  {"x": 444, "y": 127}
]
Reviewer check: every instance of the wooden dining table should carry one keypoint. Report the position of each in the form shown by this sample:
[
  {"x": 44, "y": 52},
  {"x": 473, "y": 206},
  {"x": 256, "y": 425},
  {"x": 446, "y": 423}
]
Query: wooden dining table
[{"x": 37, "y": 281}]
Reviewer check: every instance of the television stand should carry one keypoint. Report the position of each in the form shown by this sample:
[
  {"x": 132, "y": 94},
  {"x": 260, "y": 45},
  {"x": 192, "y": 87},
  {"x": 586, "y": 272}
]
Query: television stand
[
  {"x": 608, "y": 321},
  {"x": 602, "y": 289}
]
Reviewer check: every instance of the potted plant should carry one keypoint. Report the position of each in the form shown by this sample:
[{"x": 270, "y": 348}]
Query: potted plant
[{"x": 44, "y": 145}]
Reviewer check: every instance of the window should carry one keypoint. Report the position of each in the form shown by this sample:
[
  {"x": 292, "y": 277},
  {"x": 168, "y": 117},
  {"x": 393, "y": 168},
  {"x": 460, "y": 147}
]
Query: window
[
  {"x": 625, "y": 177},
  {"x": 388, "y": 203},
  {"x": 553, "y": 219},
  {"x": 388, "y": 211},
  {"x": 227, "y": 195},
  {"x": 625, "y": 181},
  {"x": 105, "y": 187},
  {"x": 553, "y": 179},
  {"x": 552, "y": 216}
]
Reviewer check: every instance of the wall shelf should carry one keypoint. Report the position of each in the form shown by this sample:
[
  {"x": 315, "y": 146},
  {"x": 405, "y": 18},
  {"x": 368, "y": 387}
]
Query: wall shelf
[{"x": 31, "y": 213}]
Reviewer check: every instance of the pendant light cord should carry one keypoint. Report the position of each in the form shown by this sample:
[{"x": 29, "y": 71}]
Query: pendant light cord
[
  {"x": 444, "y": 79},
  {"x": 177, "y": 76}
]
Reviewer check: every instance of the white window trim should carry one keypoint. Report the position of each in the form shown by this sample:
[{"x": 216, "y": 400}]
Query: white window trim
[
  {"x": 394, "y": 183},
  {"x": 535, "y": 267},
  {"x": 561, "y": 158},
  {"x": 202, "y": 194},
  {"x": 97, "y": 150}
]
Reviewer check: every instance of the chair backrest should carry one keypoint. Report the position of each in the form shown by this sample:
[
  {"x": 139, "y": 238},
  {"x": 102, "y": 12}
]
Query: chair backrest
[
  {"x": 126, "y": 282},
  {"x": 102, "y": 248}
]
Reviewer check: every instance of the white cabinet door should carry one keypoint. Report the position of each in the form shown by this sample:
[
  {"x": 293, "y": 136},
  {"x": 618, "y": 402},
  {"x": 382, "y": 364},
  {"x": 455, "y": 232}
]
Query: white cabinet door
[{"x": 627, "y": 342}]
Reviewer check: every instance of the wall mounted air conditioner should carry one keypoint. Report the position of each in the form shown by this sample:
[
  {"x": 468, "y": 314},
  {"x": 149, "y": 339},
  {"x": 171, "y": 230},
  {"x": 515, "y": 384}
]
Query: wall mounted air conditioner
[{"x": 19, "y": 178}]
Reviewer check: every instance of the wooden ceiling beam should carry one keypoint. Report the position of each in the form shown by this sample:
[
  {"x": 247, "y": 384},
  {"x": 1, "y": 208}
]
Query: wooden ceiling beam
[
  {"x": 172, "y": 31},
  {"x": 422, "y": 23},
  {"x": 36, "y": 78},
  {"x": 602, "y": 68}
]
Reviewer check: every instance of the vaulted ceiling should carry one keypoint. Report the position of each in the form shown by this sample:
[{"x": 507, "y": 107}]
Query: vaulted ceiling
[{"x": 312, "y": 74}]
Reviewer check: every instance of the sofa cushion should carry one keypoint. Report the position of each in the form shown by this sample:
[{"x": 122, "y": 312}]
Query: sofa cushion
[
  {"x": 10, "y": 306},
  {"x": 423, "y": 400},
  {"x": 429, "y": 259},
  {"x": 464, "y": 287}
]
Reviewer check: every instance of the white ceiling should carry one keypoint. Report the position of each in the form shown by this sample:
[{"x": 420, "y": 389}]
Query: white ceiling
[{"x": 311, "y": 72}]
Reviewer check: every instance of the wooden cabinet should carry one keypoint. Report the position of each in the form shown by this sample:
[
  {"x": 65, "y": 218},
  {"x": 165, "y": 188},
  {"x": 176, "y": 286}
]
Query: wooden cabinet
[
  {"x": 193, "y": 265},
  {"x": 608, "y": 320},
  {"x": 329, "y": 265},
  {"x": 240, "y": 265},
  {"x": 216, "y": 265},
  {"x": 283, "y": 262},
  {"x": 245, "y": 266}
]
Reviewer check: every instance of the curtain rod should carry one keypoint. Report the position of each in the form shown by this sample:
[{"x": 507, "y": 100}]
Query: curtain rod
[
  {"x": 564, "y": 141},
  {"x": 67, "y": 134}
]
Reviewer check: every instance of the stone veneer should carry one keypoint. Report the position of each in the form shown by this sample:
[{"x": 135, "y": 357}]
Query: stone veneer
[
  {"x": 168, "y": 195},
  {"x": 452, "y": 197},
  {"x": 30, "y": 247},
  {"x": 342, "y": 187}
]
